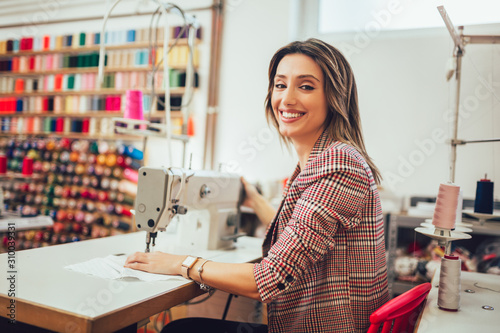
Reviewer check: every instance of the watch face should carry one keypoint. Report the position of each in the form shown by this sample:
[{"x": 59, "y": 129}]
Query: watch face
[{"x": 189, "y": 261}]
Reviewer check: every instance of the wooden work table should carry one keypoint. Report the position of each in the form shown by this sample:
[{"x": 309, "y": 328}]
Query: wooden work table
[
  {"x": 58, "y": 299},
  {"x": 482, "y": 290}
]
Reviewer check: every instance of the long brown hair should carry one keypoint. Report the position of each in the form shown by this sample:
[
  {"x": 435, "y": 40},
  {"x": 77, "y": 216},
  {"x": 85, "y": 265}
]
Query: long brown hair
[{"x": 343, "y": 122}]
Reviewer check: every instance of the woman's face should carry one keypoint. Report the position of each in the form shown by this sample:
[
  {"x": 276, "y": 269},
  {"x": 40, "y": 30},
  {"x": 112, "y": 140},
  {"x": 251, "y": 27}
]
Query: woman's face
[{"x": 298, "y": 98}]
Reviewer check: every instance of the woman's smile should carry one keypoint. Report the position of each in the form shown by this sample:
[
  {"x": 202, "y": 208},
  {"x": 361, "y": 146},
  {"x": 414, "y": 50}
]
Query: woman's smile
[{"x": 289, "y": 116}]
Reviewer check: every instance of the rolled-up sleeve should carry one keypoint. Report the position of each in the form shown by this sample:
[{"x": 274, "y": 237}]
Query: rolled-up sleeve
[{"x": 333, "y": 201}]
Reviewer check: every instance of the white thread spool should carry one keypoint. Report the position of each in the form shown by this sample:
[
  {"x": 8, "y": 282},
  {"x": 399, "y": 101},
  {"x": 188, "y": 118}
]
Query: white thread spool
[
  {"x": 93, "y": 126},
  {"x": 449, "y": 283}
]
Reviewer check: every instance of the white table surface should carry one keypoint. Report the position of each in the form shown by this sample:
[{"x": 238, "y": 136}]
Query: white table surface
[
  {"x": 470, "y": 317},
  {"x": 42, "y": 280}
]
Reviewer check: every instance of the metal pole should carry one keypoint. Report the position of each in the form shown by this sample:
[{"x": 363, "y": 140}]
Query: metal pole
[
  {"x": 463, "y": 142},
  {"x": 213, "y": 85},
  {"x": 458, "y": 74}
]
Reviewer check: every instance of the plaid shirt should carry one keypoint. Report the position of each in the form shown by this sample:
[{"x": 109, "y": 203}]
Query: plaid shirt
[{"x": 324, "y": 267}]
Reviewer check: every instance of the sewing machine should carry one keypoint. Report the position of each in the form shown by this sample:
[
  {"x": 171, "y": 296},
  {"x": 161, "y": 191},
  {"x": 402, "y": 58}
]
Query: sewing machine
[{"x": 204, "y": 203}]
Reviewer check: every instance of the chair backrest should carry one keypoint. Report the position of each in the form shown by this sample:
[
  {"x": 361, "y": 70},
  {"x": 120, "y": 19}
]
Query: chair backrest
[{"x": 401, "y": 313}]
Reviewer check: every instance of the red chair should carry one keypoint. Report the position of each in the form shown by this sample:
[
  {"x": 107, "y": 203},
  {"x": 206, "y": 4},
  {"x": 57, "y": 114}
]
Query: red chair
[{"x": 401, "y": 313}]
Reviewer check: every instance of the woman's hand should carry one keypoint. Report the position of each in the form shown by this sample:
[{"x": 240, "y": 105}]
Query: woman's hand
[
  {"x": 251, "y": 194},
  {"x": 254, "y": 200},
  {"x": 155, "y": 262}
]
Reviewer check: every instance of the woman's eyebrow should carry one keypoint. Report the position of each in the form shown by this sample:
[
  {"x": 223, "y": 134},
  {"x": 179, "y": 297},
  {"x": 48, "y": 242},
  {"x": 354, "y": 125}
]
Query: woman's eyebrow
[{"x": 303, "y": 76}]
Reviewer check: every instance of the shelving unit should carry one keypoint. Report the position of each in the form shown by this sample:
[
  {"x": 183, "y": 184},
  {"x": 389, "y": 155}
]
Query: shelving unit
[
  {"x": 46, "y": 103},
  {"x": 104, "y": 91},
  {"x": 72, "y": 136},
  {"x": 81, "y": 184},
  {"x": 83, "y": 71},
  {"x": 65, "y": 100},
  {"x": 83, "y": 48},
  {"x": 94, "y": 114}
]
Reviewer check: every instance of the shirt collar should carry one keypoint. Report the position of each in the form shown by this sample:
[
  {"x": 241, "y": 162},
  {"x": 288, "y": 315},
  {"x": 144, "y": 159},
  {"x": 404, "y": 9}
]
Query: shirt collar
[{"x": 321, "y": 144}]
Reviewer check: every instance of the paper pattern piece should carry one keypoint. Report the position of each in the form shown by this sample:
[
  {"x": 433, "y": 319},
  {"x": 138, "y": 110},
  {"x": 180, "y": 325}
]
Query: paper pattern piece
[{"x": 111, "y": 267}]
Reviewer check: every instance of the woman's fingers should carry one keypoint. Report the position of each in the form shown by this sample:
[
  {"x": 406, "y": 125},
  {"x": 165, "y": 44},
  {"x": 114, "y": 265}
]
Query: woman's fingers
[
  {"x": 251, "y": 194},
  {"x": 138, "y": 266},
  {"x": 154, "y": 262},
  {"x": 137, "y": 257}
]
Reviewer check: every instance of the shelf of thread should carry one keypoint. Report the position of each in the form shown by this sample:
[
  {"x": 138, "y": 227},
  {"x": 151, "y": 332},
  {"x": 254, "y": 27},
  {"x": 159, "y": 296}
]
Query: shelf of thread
[{"x": 86, "y": 187}]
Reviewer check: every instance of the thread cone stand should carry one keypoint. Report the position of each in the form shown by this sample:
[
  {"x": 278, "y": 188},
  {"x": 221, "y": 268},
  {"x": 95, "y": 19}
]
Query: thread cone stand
[
  {"x": 443, "y": 236},
  {"x": 482, "y": 217},
  {"x": 449, "y": 281}
]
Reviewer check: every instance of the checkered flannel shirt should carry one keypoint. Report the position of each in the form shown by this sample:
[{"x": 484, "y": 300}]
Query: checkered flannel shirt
[{"x": 324, "y": 267}]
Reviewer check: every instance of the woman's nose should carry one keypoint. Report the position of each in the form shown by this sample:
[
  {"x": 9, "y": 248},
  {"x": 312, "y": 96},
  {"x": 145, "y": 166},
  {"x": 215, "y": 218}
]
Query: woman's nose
[{"x": 289, "y": 97}]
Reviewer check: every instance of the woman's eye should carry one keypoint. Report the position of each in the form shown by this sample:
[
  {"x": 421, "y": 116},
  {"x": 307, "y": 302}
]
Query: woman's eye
[
  {"x": 280, "y": 86},
  {"x": 307, "y": 87}
]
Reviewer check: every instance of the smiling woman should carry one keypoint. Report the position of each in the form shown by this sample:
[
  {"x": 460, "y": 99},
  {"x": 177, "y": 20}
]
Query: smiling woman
[{"x": 323, "y": 266}]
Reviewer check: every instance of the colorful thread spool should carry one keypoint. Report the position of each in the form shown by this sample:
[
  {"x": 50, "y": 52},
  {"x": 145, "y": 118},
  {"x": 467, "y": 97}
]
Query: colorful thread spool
[
  {"x": 446, "y": 206},
  {"x": 3, "y": 164},
  {"x": 19, "y": 86},
  {"x": 133, "y": 105},
  {"x": 27, "y": 166},
  {"x": 133, "y": 152},
  {"x": 127, "y": 187},
  {"x": 484, "y": 196},
  {"x": 131, "y": 175}
]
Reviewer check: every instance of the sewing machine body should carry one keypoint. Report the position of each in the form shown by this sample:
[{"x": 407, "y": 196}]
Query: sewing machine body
[{"x": 204, "y": 203}]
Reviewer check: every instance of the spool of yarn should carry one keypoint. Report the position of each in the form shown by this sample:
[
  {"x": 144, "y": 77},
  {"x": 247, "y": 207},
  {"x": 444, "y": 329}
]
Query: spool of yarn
[
  {"x": 60, "y": 125},
  {"x": 484, "y": 196},
  {"x": 131, "y": 175},
  {"x": 446, "y": 206},
  {"x": 20, "y": 125},
  {"x": 190, "y": 127},
  {"x": 19, "y": 86},
  {"x": 133, "y": 152},
  {"x": 133, "y": 106},
  {"x": 27, "y": 166},
  {"x": 449, "y": 283},
  {"x": 92, "y": 126},
  {"x": 127, "y": 187},
  {"x": 3, "y": 164}
]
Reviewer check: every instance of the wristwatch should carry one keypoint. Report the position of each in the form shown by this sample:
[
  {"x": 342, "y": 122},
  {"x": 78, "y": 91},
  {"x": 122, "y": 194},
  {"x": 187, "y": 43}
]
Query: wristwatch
[{"x": 187, "y": 264}]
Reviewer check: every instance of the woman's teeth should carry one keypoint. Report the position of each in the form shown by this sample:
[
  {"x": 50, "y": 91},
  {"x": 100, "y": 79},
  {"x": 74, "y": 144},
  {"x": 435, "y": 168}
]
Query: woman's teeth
[{"x": 291, "y": 115}]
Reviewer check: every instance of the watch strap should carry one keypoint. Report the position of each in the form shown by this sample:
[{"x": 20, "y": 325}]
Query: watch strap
[{"x": 186, "y": 267}]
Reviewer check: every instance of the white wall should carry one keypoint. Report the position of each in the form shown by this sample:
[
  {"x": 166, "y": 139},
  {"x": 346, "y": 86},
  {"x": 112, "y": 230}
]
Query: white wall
[
  {"x": 406, "y": 106},
  {"x": 404, "y": 98},
  {"x": 253, "y": 31}
]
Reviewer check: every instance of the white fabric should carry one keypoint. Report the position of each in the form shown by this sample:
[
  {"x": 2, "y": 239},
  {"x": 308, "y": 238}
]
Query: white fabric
[{"x": 111, "y": 267}]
